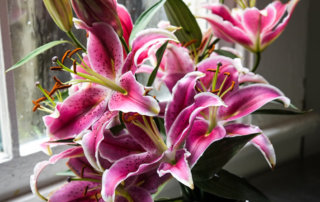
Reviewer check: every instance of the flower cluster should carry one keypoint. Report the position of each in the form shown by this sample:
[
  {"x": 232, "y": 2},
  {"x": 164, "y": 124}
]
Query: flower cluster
[{"x": 126, "y": 140}]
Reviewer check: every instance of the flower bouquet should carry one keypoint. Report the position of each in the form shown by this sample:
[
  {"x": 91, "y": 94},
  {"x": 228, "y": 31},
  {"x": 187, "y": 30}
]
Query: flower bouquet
[{"x": 145, "y": 105}]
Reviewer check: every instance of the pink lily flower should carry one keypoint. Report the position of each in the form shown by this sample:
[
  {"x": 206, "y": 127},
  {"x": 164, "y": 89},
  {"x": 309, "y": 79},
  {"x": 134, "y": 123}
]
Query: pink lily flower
[
  {"x": 252, "y": 28},
  {"x": 214, "y": 123},
  {"x": 157, "y": 155},
  {"x": 108, "y": 11},
  {"x": 110, "y": 89}
]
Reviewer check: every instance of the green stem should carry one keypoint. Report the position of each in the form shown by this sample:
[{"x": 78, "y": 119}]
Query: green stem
[
  {"x": 258, "y": 58},
  {"x": 76, "y": 41},
  {"x": 222, "y": 1},
  {"x": 125, "y": 45}
]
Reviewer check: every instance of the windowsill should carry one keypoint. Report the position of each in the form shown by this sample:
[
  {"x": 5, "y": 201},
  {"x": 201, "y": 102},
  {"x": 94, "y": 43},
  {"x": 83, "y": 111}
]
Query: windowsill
[{"x": 294, "y": 138}]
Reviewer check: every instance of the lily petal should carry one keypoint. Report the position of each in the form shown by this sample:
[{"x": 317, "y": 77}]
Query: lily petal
[
  {"x": 77, "y": 113},
  {"x": 70, "y": 153},
  {"x": 126, "y": 21},
  {"x": 124, "y": 168},
  {"x": 199, "y": 139},
  {"x": 76, "y": 191},
  {"x": 180, "y": 169},
  {"x": 183, "y": 96},
  {"x": 248, "y": 99},
  {"x": 183, "y": 123},
  {"x": 104, "y": 49},
  {"x": 134, "y": 100},
  {"x": 261, "y": 141},
  {"x": 139, "y": 194}
]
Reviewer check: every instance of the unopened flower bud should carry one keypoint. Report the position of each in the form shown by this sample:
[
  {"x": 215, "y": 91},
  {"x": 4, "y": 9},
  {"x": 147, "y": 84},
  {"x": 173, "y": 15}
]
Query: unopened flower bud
[
  {"x": 61, "y": 12},
  {"x": 91, "y": 11}
]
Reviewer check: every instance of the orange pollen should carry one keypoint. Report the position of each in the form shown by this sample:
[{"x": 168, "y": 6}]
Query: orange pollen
[
  {"x": 65, "y": 55},
  {"x": 227, "y": 73},
  {"x": 130, "y": 118},
  {"x": 73, "y": 52},
  {"x": 232, "y": 85},
  {"x": 190, "y": 43},
  {"x": 215, "y": 91},
  {"x": 56, "y": 68},
  {"x": 36, "y": 105},
  {"x": 212, "y": 70},
  {"x": 41, "y": 99},
  {"x": 87, "y": 34},
  {"x": 75, "y": 67},
  {"x": 57, "y": 80},
  {"x": 211, "y": 49}
]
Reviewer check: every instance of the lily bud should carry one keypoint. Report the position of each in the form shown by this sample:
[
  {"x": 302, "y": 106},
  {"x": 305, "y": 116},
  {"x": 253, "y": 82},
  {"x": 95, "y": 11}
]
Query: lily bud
[
  {"x": 61, "y": 12},
  {"x": 91, "y": 11}
]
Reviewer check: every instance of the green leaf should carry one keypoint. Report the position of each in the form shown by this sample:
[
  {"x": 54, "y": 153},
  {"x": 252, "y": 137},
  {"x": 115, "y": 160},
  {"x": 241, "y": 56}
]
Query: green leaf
[
  {"x": 36, "y": 52},
  {"x": 217, "y": 155},
  {"x": 179, "y": 15},
  {"x": 226, "y": 53},
  {"x": 230, "y": 186},
  {"x": 159, "y": 55},
  {"x": 67, "y": 173},
  {"x": 144, "y": 19},
  {"x": 279, "y": 112}
]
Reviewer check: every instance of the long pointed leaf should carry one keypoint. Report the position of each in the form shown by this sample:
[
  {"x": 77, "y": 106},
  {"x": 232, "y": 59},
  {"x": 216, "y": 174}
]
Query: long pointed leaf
[
  {"x": 159, "y": 55},
  {"x": 179, "y": 15},
  {"x": 145, "y": 18},
  {"x": 230, "y": 186},
  {"x": 36, "y": 52}
]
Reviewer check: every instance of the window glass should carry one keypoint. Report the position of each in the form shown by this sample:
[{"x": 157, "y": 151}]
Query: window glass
[{"x": 31, "y": 27}]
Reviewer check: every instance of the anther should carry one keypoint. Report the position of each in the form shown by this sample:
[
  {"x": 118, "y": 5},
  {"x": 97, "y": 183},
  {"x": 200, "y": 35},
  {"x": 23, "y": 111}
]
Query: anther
[
  {"x": 41, "y": 99},
  {"x": 190, "y": 43},
  {"x": 57, "y": 80},
  {"x": 36, "y": 105},
  {"x": 69, "y": 179},
  {"x": 75, "y": 66},
  {"x": 87, "y": 34},
  {"x": 56, "y": 68},
  {"x": 211, "y": 49},
  {"x": 232, "y": 85},
  {"x": 212, "y": 70},
  {"x": 82, "y": 171},
  {"x": 73, "y": 52},
  {"x": 65, "y": 55},
  {"x": 226, "y": 73},
  {"x": 96, "y": 196},
  {"x": 215, "y": 91},
  {"x": 198, "y": 89},
  {"x": 85, "y": 191}
]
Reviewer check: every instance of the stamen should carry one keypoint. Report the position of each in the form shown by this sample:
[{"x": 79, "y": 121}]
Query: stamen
[
  {"x": 36, "y": 105},
  {"x": 87, "y": 34},
  {"x": 211, "y": 49},
  {"x": 229, "y": 89},
  {"x": 82, "y": 171},
  {"x": 215, "y": 91},
  {"x": 215, "y": 78},
  {"x": 57, "y": 80},
  {"x": 227, "y": 73},
  {"x": 129, "y": 118},
  {"x": 73, "y": 52},
  {"x": 212, "y": 70},
  {"x": 96, "y": 196},
  {"x": 198, "y": 89},
  {"x": 41, "y": 99},
  {"x": 56, "y": 68},
  {"x": 85, "y": 191},
  {"x": 190, "y": 43},
  {"x": 65, "y": 55},
  {"x": 75, "y": 66},
  {"x": 54, "y": 59}
]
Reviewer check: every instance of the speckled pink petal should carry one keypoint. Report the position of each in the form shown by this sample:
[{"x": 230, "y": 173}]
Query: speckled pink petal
[
  {"x": 77, "y": 113},
  {"x": 76, "y": 191},
  {"x": 180, "y": 169},
  {"x": 248, "y": 99},
  {"x": 139, "y": 194},
  {"x": 251, "y": 21},
  {"x": 114, "y": 148},
  {"x": 129, "y": 166},
  {"x": 82, "y": 168},
  {"x": 177, "y": 64},
  {"x": 70, "y": 153},
  {"x": 225, "y": 30},
  {"x": 199, "y": 139},
  {"x": 224, "y": 12},
  {"x": 183, "y": 96},
  {"x": 261, "y": 141},
  {"x": 134, "y": 100},
  {"x": 184, "y": 121},
  {"x": 104, "y": 49}
]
